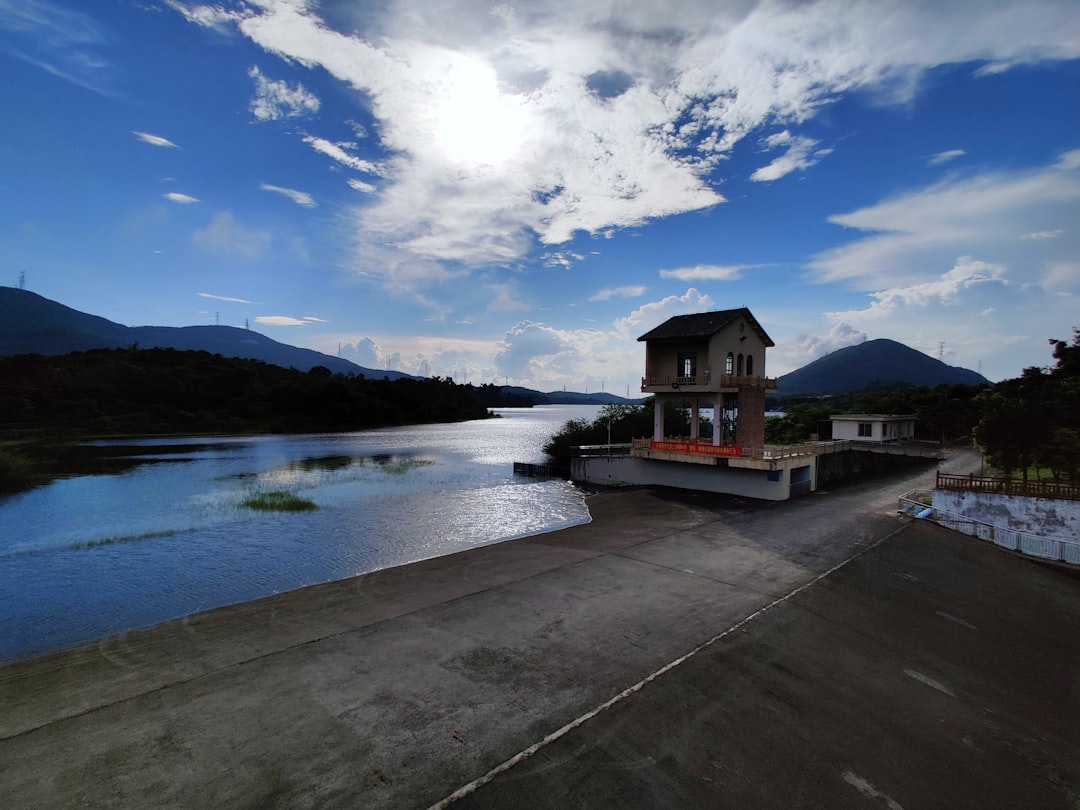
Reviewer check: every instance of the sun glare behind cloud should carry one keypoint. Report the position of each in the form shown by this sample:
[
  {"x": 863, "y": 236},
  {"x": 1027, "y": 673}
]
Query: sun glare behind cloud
[{"x": 474, "y": 121}]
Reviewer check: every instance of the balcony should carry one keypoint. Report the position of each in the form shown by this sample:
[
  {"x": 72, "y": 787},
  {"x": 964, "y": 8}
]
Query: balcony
[{"x": 703, "y": 383}]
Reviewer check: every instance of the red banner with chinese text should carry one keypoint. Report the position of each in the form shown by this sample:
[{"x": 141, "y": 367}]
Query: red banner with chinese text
[{"x": 693, "y": 447}]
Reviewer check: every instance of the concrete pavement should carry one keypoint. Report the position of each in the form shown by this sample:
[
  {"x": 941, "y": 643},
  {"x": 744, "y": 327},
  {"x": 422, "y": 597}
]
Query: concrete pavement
[{"x": 398, "y": 688}]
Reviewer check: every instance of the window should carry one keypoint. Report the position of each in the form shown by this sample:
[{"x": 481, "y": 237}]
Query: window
[
  {"x": 749, "y": 365},
  {"x": 687, "y": 365},
  {"x": 866, "y": 429},
  {"x": 739, "y": 367},
  {"x": 729, "y": 364}
]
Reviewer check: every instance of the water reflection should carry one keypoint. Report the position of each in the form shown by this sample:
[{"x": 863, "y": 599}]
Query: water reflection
[{"x": 135, "y": 544}]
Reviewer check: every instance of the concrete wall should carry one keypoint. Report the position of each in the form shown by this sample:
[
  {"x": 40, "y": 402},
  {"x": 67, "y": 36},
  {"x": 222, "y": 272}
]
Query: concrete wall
[
  {"x": 615, "y": 471},
  {"x": 1059, "y": 520}
]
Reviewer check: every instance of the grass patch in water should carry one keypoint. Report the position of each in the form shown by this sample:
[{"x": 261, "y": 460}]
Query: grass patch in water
[{"x": 278, "y": 501}]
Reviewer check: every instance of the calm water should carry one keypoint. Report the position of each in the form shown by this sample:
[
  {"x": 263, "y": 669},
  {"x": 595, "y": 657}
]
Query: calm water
[{"x": 94, "y": 555}]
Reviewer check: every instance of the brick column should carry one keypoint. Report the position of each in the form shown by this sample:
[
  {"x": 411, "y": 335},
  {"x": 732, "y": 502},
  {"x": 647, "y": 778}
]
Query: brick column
[{"x": 751, "y": 426}]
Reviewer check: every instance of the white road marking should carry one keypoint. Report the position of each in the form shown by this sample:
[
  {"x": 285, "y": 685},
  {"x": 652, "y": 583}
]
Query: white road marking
[
  {"x": 926, "y": 679},
  {"x": 868, "y": 790}
]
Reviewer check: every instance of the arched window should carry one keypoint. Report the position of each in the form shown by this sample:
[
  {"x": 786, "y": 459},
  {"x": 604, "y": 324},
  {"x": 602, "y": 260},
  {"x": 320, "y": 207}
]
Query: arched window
[
  {"x": 729, "y": 364},
  {"x": 739, "y": 366},
  {"x": 749, "y": 365}
]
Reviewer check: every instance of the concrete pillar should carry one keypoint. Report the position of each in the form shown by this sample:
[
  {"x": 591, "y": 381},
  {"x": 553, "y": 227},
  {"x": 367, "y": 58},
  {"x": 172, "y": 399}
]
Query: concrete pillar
[
  {"x": 658, "y": 418},
  {"x": 695, "y": 413}
]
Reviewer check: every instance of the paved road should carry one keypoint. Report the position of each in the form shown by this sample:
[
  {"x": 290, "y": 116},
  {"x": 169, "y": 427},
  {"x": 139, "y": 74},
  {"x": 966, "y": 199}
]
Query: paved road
[{"x": 398, "y": 688}]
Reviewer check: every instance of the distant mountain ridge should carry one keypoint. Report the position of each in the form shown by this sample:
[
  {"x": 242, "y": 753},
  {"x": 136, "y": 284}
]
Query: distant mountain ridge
[
  {"x": 880, "y": 361},
  {"x": 32, "y": 324}
]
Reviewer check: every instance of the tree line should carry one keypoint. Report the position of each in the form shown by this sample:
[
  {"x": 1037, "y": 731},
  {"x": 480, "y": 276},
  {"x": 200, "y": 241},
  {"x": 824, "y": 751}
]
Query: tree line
[{"x": 146, "y": 392}]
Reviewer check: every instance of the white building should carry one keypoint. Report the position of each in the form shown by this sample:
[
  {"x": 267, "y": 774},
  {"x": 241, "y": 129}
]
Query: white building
[{"x": 872, "y": 427}]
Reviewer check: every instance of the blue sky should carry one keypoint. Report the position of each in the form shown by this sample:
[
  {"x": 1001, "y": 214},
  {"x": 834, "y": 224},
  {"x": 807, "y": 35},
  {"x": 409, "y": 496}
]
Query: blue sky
[{"x": 514, "y": 192}]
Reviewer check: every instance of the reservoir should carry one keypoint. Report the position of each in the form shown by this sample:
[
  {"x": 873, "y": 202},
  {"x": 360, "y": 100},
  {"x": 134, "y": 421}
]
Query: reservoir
[{"x": 168, "y": 533}]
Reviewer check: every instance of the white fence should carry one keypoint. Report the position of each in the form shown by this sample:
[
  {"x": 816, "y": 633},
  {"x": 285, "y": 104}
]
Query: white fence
[{"x": 916, "y": 504}]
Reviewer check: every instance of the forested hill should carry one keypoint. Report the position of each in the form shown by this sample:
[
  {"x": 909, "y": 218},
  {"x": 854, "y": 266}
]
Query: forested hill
[
  {"x": 875, "y": 362},
  {"x": 31, "y": 324},
  {"x": 166, "y": 391}
]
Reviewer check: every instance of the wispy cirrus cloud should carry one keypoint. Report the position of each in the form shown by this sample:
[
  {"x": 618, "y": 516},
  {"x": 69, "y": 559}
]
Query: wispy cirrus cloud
[
  {"x": 224, "y": 298},
  {"x": 181, "y": 199},
  {"x": 277, "y": 100},
  {"x": 337, "y": 151},
  {"x": 65, "y": 42},
  {"x": 946, "y": 156},
  {"x": 982, "y": 214},
  {"x": 301, "y": 198},
  {"x": 287, "y": 320},
  {"x": 154, "y": 140}
]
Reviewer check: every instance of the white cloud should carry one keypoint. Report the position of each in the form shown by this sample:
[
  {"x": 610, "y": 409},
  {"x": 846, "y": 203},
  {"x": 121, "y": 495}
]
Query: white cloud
[
  {"x": 224, "y": 298},
  {"x": 301, "y": 198},
  {"x": 593, "y": 123},
  {"x": 911, "y": 233},
  {"x": 360, "y": 185},
  {"x": 801, "y": 154},
  {"x": 337, "y": 152},
  {"x": 227, "y": 236},
  {"x": 618, "y": 292},
  {"x": 275, "y": 100},
  {"x": 365, "y": 352},
  {"x": 1038, "y": 236},
  {"x": 154, "y": 140},
  {"x": 650, "y": 315},
  {"x": 946, "y": 156},
  {"x": 182, "y": 199},
  {"x": 804, "y": 347},
  {"x": 966, "y": 273},
  {"x": 561, "y": 258},
  {"x": 313, "y": 319},
  {"x": 280, "y": 320},
  {"x": 705, "y": 272}
]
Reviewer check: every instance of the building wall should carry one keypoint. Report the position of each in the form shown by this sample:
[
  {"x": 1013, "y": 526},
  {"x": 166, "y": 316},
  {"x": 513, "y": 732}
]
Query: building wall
[
  {"x": 618, "y": 471},
  {"x": 1045, "y": 517},
  {"x": 661, "y": 358},
  {"x": 880, "y": 430}
]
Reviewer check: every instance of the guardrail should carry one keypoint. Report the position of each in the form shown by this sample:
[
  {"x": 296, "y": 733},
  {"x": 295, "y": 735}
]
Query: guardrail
[
  {"x": 1009, "y": 486},
  {"x": 915, "y": 505}
]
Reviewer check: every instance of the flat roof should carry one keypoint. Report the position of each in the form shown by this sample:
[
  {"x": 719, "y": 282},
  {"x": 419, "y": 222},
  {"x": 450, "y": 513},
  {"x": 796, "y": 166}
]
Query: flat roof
[{"x": 873, "y": 417}]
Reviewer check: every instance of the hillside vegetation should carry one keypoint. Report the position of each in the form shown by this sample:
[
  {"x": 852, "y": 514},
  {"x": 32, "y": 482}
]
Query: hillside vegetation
[{"x": 133, "y": 392}]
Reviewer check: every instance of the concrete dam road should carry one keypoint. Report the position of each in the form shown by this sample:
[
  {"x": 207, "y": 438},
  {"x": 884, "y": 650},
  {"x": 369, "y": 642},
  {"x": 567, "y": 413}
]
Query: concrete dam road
[{"x": 898, "y": 679}]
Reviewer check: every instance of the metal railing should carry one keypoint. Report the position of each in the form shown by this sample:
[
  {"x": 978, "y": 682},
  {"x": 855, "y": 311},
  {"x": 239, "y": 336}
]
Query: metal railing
[{"x": 914, "y": 504}]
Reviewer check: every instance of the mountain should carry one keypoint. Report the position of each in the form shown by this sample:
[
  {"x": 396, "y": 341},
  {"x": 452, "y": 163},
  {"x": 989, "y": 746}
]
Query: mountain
[
  {"x": 31, "y": 324},
  {"x": 568, "y": 397},
  {"x": 873, "y": 362}
]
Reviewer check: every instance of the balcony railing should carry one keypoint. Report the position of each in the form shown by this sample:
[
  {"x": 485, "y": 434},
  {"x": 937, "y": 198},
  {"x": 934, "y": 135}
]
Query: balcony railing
[
  {"x": 704, "y": 380},
  {"x": 1010, "y": 486}
]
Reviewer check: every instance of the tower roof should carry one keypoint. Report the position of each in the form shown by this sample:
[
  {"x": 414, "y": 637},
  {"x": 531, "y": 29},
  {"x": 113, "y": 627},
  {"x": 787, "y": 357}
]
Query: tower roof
[{"x": 703, "y": 325}]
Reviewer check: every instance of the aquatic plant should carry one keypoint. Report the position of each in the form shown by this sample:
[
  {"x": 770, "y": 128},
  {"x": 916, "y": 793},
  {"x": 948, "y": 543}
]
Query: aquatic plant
[{"x": 278, "y": 500}]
